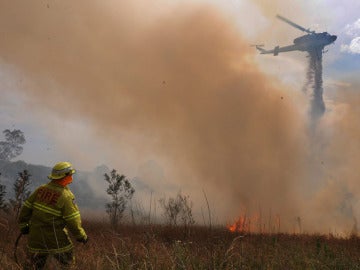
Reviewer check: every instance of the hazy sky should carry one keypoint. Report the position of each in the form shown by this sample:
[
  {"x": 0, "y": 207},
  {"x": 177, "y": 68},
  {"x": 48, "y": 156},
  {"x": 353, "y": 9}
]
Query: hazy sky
[{"x": 122, "y": 83}]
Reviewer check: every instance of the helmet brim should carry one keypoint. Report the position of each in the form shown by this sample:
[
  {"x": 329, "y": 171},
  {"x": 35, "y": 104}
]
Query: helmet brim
[{"x": 58, "y": 177}]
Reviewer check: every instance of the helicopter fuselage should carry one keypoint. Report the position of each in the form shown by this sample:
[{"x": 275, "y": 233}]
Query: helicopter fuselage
[
  {"x": 311, "y": 42},
  {"x": 314, "y": 41}
]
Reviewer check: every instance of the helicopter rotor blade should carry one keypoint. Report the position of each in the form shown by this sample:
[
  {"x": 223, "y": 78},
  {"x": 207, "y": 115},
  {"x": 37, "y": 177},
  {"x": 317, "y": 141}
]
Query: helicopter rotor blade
[{"x": 293, "y": 24}]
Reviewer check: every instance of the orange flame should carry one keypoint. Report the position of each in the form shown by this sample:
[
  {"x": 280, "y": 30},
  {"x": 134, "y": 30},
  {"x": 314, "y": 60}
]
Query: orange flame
[
  {"x": 255, "y": 224},
  {"x": 240, "y": 225},
  {"x": 245, "y": 224}
]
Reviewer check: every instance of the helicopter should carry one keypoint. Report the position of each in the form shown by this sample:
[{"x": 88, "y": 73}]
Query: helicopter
[{"x": 312, "y": 42}]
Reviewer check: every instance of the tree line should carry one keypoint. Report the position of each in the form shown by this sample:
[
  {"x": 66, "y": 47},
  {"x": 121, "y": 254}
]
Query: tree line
[{"x": 176, "y": 210}]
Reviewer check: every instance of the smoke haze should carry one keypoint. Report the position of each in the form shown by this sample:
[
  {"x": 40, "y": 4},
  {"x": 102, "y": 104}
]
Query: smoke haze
[{"x": 178, "y": 85}]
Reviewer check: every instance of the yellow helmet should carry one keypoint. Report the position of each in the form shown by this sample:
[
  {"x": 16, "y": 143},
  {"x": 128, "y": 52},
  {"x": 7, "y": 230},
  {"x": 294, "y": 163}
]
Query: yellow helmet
[{"x": 61, "y": 170}]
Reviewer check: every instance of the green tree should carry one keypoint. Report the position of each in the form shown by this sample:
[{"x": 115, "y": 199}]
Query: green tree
[
  {"x": 11, "y": 147},
  {"x": 121, "y": 192},
  {"x": 21, "y": 189},
  {"x": 178, "y": 209}
]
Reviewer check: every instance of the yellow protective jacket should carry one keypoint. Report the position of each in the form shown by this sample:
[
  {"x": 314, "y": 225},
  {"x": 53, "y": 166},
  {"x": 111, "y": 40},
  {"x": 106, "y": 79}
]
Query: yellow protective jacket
[{"x": 49, "y": 212}]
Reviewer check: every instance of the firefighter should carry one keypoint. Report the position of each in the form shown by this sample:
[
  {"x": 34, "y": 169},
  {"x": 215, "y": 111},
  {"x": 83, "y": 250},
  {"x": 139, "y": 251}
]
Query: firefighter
[{"x": 46, "y": 217}]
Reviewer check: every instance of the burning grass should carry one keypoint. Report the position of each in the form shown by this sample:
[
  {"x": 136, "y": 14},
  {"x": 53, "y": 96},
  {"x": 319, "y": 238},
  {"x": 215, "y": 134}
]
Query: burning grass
[{"x": 163, "y": 247}]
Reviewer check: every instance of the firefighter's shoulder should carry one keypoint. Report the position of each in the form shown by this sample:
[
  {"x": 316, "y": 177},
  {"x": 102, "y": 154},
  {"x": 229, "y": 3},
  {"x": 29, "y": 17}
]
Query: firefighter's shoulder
[{"x": 67, "y": 194}]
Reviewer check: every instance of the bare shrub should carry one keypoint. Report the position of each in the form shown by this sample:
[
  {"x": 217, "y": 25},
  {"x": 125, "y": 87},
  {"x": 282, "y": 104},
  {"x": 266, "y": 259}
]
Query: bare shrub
[
  {"x": 121, "y": 192},
  {"x": 178, "y": 209}
]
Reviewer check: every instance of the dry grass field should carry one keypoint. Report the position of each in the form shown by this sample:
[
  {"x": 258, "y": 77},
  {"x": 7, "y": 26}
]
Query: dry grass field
[{"x": 163, "y": 247}]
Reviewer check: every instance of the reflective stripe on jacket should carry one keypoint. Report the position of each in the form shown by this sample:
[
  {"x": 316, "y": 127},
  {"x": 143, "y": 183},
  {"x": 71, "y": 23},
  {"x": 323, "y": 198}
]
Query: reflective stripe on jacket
[{"x": 50, "y": 212}]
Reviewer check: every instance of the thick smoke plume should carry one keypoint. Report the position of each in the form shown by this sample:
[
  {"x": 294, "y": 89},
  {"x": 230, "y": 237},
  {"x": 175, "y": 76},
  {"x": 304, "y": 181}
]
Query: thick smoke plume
[
  {"x": 333, "y": 179},
  {"x": 174, "y": 85},
  {"x": 179, "y": 87}
]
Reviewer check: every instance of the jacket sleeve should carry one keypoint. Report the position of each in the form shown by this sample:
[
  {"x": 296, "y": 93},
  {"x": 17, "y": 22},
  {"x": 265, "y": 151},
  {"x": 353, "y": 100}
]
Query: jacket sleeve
[
  {"x": 26, "y": 211},
  {"x": 71, "y": 215}
]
